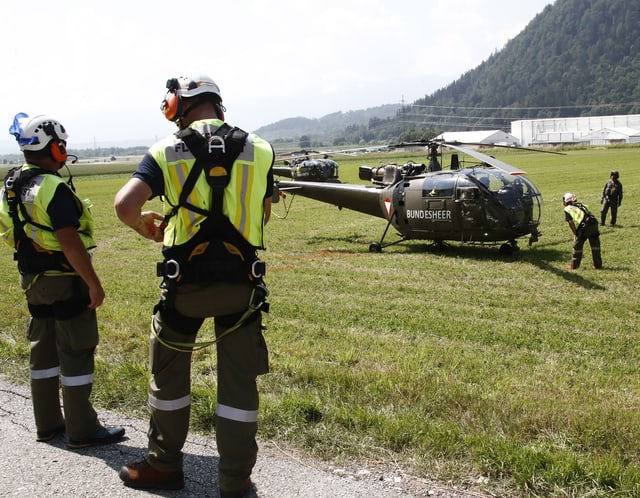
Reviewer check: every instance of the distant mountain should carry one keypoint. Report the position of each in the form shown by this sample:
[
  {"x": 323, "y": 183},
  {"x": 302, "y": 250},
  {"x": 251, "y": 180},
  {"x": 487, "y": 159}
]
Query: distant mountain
[
  {"x": 325, "y": 127},
  {"x": 575, "y": 58}
]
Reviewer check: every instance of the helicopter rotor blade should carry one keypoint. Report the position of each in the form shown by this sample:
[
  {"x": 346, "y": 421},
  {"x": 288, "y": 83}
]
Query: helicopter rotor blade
[
  {"x": 511, "y": 147},
  {"x": 488, "y": 159}
]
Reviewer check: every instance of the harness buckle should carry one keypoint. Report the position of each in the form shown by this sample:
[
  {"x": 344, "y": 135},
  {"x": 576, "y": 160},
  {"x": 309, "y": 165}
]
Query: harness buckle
[
  {"x": 169, "y": 269},
  {"x": 258, "y": 297},
  {"x": 216, "y": 143},
  {"x": 258, "y": 269}
]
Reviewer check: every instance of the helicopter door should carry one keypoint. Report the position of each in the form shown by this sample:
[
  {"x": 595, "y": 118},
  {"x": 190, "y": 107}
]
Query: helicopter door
[
  {"x": 438, "y": 205},
  {"x": 471, "y": 207}
]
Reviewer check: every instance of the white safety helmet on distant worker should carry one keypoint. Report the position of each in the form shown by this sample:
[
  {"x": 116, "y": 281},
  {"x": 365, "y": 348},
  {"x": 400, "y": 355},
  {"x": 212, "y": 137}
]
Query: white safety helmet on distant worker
[
  {"x": 40, "y": 135},
  {"x": 34, "y": 134},
  {"x": 186, "y": 87},
  {"x": 568, "y": 198}
]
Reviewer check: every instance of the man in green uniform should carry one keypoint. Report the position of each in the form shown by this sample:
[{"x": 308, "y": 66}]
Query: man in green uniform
[
  {"x": 584, "y": 226},
  {"x": 216, "y": 183},
  {"x": 51, "y": 230},
  {"x": 611, "y": 198}
]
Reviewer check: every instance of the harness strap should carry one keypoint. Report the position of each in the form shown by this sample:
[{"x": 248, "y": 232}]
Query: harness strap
[
  {"x": 14, "y": 182},
  {"x": 223, "y": 147},
  {"x": 257, "y": 301},
  {"x": 31, "y": 258}
]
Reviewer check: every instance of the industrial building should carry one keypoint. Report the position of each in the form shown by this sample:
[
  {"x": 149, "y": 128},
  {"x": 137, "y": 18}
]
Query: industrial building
[{"x": 588, "y": 130}]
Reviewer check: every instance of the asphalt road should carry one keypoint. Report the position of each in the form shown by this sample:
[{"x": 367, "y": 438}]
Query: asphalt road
[{"x": 34, "y": 469}]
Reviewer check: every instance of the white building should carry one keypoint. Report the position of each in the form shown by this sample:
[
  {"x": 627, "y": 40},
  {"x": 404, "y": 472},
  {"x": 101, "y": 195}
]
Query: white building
[
  {"x": 483, "y": 137},
  {"x": 612, "y": 136},
  {"x": 589, "y": 130}
]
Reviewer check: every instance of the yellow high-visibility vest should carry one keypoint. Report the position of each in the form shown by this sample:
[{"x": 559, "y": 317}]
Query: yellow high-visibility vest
[
  {"x": 36, "y": 197},
  {"x": 243, "y": 200}
]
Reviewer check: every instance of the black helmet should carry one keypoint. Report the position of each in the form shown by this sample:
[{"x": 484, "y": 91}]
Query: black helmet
[{"x": 615, "y": 174}]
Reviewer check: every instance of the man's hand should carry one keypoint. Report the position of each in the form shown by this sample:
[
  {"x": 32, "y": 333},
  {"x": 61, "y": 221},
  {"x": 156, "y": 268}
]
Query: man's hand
[{"x": 147, "y": 226}]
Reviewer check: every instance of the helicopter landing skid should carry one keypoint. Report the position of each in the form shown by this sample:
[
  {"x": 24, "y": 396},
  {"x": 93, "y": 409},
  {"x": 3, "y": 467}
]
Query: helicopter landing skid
[
  {"x": 508, "y": 248},
  {"x": 439, "y": 245},
  {"x": 377, "y": 246}
]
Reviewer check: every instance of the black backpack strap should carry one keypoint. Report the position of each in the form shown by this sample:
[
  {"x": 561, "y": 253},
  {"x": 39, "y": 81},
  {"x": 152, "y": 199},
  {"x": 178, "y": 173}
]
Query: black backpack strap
[
  {"x": 223, "y": 147},
  {"x": 31, "y": 258},
  {"x": 14, "y": 182}
]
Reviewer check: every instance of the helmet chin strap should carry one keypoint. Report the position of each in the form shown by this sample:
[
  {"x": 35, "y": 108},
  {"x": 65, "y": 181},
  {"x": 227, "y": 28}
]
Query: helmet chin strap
[
  {"x": 184, "y": 114},
  {"x": 219, "y": 109}
]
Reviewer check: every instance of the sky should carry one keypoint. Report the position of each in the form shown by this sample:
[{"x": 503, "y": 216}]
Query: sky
[{"x": 100, "y": 68}]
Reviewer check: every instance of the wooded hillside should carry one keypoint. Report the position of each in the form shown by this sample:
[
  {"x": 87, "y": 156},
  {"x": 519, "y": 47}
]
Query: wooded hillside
[{"x": 575, "y": 58}]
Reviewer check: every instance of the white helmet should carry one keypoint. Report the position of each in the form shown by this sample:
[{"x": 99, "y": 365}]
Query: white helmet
[
  {"x": 569, "y": 197},
  {"x": 190, "y": 87},
  {"x": 35, "y": 133},
  {"x": 185, "y": 87}
]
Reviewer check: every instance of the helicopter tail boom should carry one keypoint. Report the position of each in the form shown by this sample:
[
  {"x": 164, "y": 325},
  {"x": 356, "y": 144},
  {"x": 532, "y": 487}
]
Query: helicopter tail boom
[{"x": 360, "y": 198}]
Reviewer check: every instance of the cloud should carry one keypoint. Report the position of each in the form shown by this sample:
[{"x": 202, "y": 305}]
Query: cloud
[{"x": 100, "y": 67}]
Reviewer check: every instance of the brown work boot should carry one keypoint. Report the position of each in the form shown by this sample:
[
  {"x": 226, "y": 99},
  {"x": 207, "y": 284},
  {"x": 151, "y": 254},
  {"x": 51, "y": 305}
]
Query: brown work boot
[{"x": 142, "y": 475}]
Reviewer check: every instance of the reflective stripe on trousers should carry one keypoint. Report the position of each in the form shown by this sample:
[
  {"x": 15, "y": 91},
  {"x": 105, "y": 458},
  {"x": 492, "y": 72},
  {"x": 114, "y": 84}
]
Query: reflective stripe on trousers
[
  {"x": 236, "y": 414},
  {"x": 46, "y": 373},
  {"x": 168, "y": 405}
]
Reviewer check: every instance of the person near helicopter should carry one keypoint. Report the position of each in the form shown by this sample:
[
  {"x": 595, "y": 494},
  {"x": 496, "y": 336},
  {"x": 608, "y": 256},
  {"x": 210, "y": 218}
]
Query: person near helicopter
[
  {"x": 216, "y": 182},
  {"x": 584, "y": 226},
  {"x": 51, "y": 231},
  {"x": 611, "y": 198}
]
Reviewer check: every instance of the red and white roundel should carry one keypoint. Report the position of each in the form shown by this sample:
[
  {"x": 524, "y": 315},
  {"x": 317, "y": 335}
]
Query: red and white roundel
[{"x": 387, "y": 205}]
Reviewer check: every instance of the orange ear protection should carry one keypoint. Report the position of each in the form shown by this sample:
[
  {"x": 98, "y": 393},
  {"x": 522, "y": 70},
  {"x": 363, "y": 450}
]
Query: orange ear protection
[
  {"x": 57, "y": 147},
  {"x": 58, "y": 151},
  {"x": 172, "y": 104}
]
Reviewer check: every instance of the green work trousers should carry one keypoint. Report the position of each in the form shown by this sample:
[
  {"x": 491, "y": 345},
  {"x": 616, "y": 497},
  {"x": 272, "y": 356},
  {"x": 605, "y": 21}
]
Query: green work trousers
[
  {"x": 63, "y": 334},
  {"x": 591, "y": 234},
  {"x": 241, "y": 357}
]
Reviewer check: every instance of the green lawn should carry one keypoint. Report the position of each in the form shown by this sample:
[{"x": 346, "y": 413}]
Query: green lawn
[{"x": 459, "y": 365}]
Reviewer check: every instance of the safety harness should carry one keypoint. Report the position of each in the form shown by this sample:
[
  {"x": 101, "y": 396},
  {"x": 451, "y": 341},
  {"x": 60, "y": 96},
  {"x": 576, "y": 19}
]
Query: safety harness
[
  {"x": 588, "y": 220},
  {"x": 31, "y": 257},
  {"x": 217, "y": 251}
]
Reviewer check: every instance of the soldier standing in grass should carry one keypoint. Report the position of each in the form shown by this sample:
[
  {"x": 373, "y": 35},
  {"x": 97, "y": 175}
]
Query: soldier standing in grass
[
  {"x": 216, "y": 183},
  {"x": 584, "y": 227},
  {"x": 51, "y": 230},
  {"x": 611, "y": 198}
]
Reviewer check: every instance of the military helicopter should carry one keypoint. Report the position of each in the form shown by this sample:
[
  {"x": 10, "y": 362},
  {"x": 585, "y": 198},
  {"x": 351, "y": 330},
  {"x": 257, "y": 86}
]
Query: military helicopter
[
  {"x": 306, "y": 167},
  {"x": 488, "y": 201}
]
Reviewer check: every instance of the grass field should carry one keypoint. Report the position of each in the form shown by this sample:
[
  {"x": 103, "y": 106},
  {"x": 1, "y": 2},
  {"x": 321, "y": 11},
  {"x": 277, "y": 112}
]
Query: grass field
[{"x": 513, "y": 376}]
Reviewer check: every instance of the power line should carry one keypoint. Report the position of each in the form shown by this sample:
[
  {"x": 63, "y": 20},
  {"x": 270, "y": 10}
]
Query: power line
[
  {"x": 450, "y": 123},
  {"x": 420, "y": 117},
  {"x": 539, "y": 108}
]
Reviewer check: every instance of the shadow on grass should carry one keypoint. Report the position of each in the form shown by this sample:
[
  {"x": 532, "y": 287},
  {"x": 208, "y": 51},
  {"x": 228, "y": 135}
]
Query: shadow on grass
[{"x": 542, "y": 255}]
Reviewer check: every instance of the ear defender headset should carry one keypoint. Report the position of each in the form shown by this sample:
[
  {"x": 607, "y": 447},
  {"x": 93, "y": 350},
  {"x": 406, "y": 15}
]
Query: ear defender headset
[
  {"x": 172, "y": 104},
  {"x": 57, "y": 147}
]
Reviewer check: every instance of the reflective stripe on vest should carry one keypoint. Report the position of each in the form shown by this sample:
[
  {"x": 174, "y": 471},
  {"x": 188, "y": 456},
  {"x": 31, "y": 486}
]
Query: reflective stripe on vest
[
  {"x": 243, "y": 201},
  {"x": 6, "y": 223}
]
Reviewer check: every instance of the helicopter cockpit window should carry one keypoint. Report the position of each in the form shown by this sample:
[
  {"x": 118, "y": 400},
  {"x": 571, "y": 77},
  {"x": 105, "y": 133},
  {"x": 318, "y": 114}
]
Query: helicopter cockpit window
[
  {"x": 467, "y": 190},
  {"x": 438, "y": 186}
]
